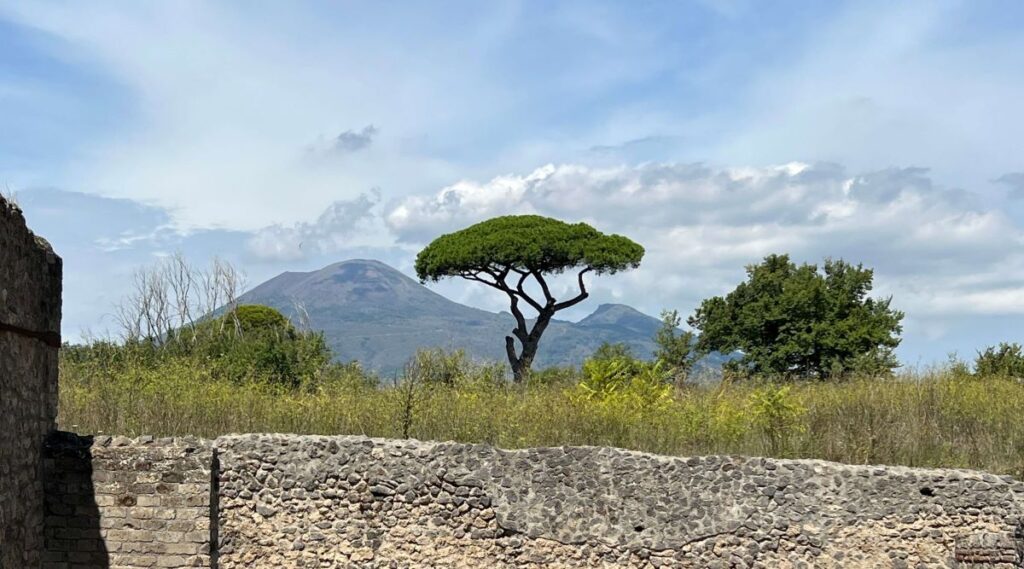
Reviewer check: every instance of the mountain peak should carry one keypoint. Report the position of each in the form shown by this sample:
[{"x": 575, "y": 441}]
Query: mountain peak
[
  {"x": 360, "y": 263},
  {"x": 612, "y": 310},
  {"x": 618, "y": 315}
]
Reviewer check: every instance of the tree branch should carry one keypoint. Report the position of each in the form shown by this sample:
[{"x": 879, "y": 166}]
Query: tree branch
[
  {"x": 550, "y": 300},
  {"x": 578, "y": 298},
  {"x": 476, "y": 277},
  {"x": 499, "y": 283},
  {"x": 520, "y": 332},
  {"x": 522, "y": 293}
]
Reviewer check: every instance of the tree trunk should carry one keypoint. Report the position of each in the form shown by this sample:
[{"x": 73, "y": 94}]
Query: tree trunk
[{"x": 522, "y": 362}]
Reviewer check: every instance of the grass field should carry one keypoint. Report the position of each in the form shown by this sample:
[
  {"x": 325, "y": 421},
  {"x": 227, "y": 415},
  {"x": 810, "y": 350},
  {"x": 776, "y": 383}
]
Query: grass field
[{"x": 943, "y": 417}]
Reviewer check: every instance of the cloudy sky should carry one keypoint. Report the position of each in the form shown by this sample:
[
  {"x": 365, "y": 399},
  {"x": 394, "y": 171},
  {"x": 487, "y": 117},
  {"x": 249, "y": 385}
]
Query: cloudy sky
[{"x": 286, "y": 136}]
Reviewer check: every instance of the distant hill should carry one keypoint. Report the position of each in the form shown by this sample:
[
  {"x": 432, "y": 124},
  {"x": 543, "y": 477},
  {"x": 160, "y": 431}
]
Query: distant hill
[{"x": 377, "y": 315}]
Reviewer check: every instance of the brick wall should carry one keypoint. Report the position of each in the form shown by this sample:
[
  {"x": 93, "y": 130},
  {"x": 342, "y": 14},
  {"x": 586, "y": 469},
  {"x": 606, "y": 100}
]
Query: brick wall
[{"x": 129, "y": 503}]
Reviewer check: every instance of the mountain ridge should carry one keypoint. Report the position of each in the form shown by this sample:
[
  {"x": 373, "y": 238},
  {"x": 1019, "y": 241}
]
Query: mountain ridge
[{"x": 379, "y": 316}]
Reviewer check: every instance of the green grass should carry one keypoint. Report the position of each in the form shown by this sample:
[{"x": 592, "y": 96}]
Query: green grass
[{"x": 940, "y": 418}]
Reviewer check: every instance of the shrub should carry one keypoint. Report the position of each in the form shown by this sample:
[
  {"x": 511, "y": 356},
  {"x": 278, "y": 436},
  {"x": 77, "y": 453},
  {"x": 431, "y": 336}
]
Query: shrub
[
  {"x": 258, "y": 341},
  {"x": 776, "y": 413},
  {"x": 553, "y": 376},
  {"x": 625, "y": 383},
  {"x": 1004, "y": 360},
  {"x": 438, "y": 367},
  {"x": 256, "y": 318},
  {"x": 675, "y": 348}
]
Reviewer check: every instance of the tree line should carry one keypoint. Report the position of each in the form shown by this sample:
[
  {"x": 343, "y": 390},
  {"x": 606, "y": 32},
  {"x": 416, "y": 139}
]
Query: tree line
[{"x": 784, "y": 320}]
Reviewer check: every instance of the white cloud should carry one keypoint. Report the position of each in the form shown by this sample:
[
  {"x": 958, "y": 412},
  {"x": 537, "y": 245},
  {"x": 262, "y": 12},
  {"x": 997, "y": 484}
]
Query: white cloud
[
  {"x": 701, "y": 225},
  {"x": 224, "y": 104},
  {"x": 343, "y": 225}
]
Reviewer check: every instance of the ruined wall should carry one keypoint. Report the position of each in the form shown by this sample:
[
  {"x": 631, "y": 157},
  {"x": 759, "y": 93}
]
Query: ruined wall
[
  {"x": 30, "y": 288},
  {"x": 288, "y": 501},
  {"x": 127, "y": 503},
  {"x": 301, "y": 501}
]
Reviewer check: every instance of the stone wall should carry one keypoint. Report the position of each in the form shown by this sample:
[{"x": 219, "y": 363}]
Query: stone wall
[
  {"x": 128, "y": 503},
  {"x": 300, "y": 501},
  {"x": 30, "y": 289}
]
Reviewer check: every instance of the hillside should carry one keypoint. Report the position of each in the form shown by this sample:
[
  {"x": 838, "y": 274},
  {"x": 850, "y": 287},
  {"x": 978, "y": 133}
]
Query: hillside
[{"x": 374, "y": 313}]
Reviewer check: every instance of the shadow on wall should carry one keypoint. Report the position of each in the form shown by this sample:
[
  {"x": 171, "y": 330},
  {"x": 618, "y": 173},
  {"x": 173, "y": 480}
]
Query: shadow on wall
[{"x": 73, "y": 527}]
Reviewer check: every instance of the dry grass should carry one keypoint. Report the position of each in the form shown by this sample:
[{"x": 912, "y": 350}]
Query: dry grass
[{"x": 938, "y": 418}]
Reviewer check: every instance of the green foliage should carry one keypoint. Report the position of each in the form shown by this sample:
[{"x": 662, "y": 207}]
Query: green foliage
[
  {"x": 254, "y": 340},
  {"x": 617, "y": 380},
  {"x": 676, "y": 349},
  {"x": 956, "y": 367},
  {"x": 553, "y": 376},
  {"x": 879, "y": 361},
  {"x": 256, "y": 318},
  {"x": 608, "y": 351},
  {"x": 930, "y": 419},
  {"x": 775, "y": 412},
  {"x": 251, "y": 342},
  {"x": 610, "y": 368},
  {"x": 438, "y": 367},
  {"x": 797, "y": 321},
  {"x": 527, "y": 243},
  {"x": 1004, "y": 360}
]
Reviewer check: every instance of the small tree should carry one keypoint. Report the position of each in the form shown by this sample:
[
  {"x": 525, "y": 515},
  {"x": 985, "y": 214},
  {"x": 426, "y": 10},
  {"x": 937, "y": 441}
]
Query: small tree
[
  {"x": 1005, "y": 360},
  {"x": 512, "y": 252},
  {"x": 791, "y": 320},
  {"x": 258, "y": 339},
  {"x": 675, "y": 347}
]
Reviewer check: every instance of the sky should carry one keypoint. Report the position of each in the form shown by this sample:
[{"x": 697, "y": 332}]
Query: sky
[{"x": 288, "y": 136}]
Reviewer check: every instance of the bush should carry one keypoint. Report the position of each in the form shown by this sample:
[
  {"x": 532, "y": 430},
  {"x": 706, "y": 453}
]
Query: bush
[
  {"x": 609, "y": 368},
  {"x": 619, "y": 381},
  {"x": 438, "y": 367},
  {"x": 554, "y": 376},
  {"x": 256, "y": 318},
  {"x": 250, "y": 343},
  {"x": 676, "y": 349},
  {"x": 777, "y": 414},
  {"x": 258, "y": 341},
  {"x": 1005, "y": 360}
]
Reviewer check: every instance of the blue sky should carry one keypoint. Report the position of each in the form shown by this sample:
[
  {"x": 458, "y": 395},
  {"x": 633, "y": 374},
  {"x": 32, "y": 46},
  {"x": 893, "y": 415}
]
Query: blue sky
[{"x": 286, "y": 136}]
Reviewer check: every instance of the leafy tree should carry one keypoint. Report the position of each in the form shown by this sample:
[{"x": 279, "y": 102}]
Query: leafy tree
[
  {"x": 512, "y": 252},
  {"x": 1005, "y": 360},
  {"x": 675, "y": 348},
  {"x": 611, "y": 351},
  {"x": 799, "y": 321},
  {"x": 255, "y": 318},
  {"x": 615, "y": 356},
  {"x": 256, "y": 340}
]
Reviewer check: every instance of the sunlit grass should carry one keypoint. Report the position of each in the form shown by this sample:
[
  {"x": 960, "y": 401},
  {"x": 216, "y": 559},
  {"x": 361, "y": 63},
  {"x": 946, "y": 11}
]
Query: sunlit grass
[{"x": 933, "y": 418}]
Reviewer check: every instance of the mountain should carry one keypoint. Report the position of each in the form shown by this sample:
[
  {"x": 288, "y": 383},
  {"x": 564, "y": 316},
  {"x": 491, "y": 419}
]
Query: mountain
[{"x": 377, "y": 315}]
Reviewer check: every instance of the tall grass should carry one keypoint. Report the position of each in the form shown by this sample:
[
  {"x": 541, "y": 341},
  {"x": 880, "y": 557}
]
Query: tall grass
[{"x": 940, "y": 418}]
